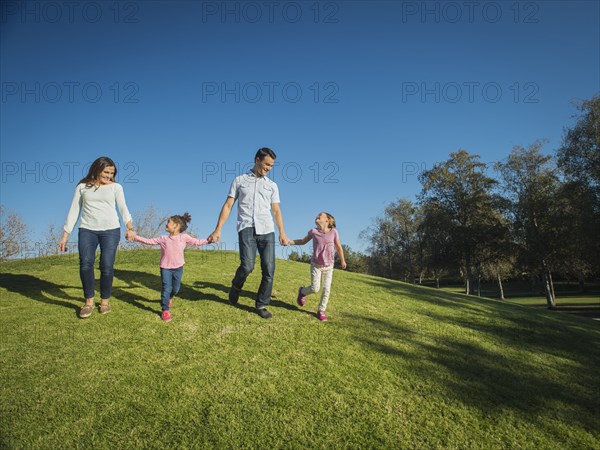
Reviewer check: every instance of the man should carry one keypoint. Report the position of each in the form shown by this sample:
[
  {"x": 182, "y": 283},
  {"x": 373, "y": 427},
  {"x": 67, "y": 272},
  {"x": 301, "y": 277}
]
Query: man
[{"x": 257, "y": 197}]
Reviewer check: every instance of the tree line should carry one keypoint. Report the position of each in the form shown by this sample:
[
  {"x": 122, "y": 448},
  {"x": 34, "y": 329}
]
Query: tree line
[{"x": 538, "y": 216}]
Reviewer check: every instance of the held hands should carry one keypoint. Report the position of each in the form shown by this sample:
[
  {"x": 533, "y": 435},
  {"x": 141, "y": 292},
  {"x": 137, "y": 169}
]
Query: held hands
[
  {"x": 283, "y": 240},
  {"x": 130, "y": 235},
  {"x": 214, "y": 237}
]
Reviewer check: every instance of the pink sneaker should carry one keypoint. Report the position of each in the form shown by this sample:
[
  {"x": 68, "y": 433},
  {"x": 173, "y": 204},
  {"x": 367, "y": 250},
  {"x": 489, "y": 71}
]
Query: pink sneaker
[
  {"x": 301, "y": 299},
  {"x": 321, "y": 316},
  {"x": 166, "y": 316},
  {"x": 170, "y": 302}
]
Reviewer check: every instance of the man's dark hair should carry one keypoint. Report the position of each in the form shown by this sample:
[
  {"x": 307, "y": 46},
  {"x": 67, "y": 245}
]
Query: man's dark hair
[{"x": 265, "y": 151}]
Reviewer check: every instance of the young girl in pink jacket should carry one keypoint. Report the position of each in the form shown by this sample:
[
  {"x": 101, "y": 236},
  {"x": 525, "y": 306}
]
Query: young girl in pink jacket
[{"x": 172, "y": 260}]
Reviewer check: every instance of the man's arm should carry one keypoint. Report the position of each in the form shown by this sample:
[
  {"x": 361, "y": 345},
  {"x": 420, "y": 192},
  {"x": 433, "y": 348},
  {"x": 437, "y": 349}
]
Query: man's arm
[
  {"x": 278, "y": 217},
  {"x": 223, "y": 216}
]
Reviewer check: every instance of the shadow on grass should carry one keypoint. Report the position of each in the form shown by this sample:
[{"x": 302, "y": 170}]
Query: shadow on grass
[
  {"x": 40, "y": 290},
  {"x": 135, "y": 279},
  {"x": 453, "y": 355},
  {"x": 577, "y": 309},
  {"x": 448, "y": 299},
  {"x": 243, "y": 294},
  {"x": 190, "y": 291}
]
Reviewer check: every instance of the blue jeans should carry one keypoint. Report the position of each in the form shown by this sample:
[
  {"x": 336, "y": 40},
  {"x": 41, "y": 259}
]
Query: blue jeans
[
  {"x": 250, "y": 242},
  {"x": 171, "y": 282},
  {"x": 88, "y": 243}
]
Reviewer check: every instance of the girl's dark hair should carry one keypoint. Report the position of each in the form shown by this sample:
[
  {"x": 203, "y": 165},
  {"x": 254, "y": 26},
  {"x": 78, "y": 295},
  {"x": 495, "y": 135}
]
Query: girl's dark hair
[
  {"x": 96, "y": 169},
  {"x": 265, "y": 151},
  {"x": 182, "y": 221}
]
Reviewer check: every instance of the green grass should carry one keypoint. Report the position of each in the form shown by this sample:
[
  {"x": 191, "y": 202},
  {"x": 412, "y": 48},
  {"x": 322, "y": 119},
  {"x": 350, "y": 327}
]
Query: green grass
[
  {"x": 396, "y": 366},
  {"x": 591, "y": 301},
  {"x": 567, "y": 302}
]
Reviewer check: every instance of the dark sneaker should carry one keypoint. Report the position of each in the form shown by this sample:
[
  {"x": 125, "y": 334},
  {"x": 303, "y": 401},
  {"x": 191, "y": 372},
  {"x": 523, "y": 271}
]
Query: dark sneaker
[
  {"x": 301, "y": 299},
  {"x": 86, "y": 311},
  {"x": 166, "y": 316},
  {"x": 262, "y": 312},
  {"x": 105, "y": 308},
  {"x": 234, "y": 295},
  {"x": 321, "y": 316}
]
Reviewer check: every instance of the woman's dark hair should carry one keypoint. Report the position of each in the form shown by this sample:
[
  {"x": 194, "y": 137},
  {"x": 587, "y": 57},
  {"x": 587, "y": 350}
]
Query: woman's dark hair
[
  {"x": 182, "y": 221},
  {"x": 96, "y": 169},
  {"x": 265, "y": 151}
]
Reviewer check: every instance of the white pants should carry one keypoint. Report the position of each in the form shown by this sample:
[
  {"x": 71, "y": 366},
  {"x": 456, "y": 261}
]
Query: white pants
[{"x": 315, "y": 283}]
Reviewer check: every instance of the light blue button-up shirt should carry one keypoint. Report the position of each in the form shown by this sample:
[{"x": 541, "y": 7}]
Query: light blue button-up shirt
[{"x": 254, "y": 195}]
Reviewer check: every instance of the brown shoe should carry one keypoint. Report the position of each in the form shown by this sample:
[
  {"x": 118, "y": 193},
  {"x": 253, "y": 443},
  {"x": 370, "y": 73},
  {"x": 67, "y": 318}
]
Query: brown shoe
[
  {"x": 105, "y": 308},
  {"x": 86, "y": 311}
]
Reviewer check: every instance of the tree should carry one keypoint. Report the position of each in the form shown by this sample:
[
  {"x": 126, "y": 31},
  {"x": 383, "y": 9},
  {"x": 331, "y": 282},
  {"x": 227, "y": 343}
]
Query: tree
[
  {"x": 50, "y": 240},
  {"x": 406, "y": 215},
  {"x": 577, "y": 223},
  {"x": 436, "y": 241},
  {"x": 531, "y": 185},
  {"x": 150, "y": 222},
  {"x": 299, "y": 257},
  {"x": 355, "y": 261},
  {"x": 394, "y": 242},
  {"x": 461, "y": 194},
  {"x": 13, "y": 234},
  {"x": 579, "y": 155},
  {"x": 579, "y": 160},
  {"x": 499, "y": 268},
  {"x": 381, "y": 249}
]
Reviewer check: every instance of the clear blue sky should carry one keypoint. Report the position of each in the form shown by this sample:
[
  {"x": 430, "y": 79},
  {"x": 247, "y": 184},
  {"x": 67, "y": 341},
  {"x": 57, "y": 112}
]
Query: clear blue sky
[{"x": 355, "y": 97}]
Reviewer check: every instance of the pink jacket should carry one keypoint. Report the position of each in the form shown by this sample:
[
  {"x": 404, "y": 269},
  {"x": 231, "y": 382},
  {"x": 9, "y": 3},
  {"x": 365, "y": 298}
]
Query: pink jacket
[{"x": 172, "y": 248}]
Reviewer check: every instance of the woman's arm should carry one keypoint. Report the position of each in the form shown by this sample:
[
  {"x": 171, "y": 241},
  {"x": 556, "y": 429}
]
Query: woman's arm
[
  {"x": 62, "y": 245},
  {"x": 72, "y": 218},
  {"x": 122, "y": 205}
]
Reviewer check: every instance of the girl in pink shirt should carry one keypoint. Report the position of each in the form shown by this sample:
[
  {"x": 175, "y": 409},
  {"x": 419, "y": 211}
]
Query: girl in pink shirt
[
  {"x": 171, "y": 260},
  {"x": 326, "y": 242}
]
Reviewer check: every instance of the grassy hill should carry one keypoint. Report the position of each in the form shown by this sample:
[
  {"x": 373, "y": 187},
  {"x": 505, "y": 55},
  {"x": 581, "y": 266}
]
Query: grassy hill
[{"x": 396, "y": 366}]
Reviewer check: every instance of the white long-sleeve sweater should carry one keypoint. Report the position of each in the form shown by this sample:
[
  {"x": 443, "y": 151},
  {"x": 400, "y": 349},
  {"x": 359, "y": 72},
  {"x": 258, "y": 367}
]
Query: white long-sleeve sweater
[{"x": 98, "y": 206}]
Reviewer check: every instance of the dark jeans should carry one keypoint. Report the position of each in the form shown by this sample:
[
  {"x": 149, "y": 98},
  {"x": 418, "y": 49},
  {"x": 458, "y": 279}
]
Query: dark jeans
[
  {"x": 88, "y": 243},
  {"x": 171, "y": 282},
  {"x": 250, "y": 242}
]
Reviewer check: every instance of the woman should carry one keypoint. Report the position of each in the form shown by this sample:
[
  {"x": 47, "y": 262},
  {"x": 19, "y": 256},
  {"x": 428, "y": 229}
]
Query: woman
[{"x": 95, "y": 198}]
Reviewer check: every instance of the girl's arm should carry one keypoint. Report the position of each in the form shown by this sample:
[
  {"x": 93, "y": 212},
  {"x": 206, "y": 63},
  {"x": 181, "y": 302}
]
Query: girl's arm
[
  {"x": 340, "y": 251},
  {"x": 152, "y": 241},
  {"x": 302, "y": 241},
  {"x": 193, "y": 241}
]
